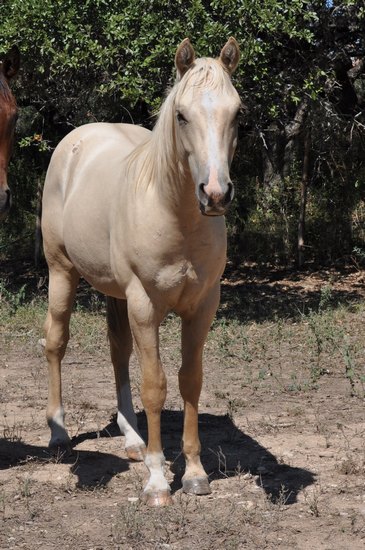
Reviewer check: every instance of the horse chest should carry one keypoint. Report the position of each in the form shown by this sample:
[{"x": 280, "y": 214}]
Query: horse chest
[{"x": 173, "y": 277}]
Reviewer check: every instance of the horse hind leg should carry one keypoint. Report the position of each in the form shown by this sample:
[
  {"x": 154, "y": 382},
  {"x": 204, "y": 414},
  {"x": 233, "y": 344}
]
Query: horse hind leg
[
  {"x": 62, "y": 289},
  {"x": 121, "y": 345}
]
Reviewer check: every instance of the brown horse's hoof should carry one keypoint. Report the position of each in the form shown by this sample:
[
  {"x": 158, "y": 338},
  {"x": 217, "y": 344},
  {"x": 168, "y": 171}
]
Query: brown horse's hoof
[
  {"x": 157, "y": 498},
  {"x": 197, "y": 486},
  {"x": 136, "y": 453}
]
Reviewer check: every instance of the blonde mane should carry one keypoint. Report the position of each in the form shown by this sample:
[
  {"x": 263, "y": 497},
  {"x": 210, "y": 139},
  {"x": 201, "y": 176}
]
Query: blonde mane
[{"x": 159, "y": 157}]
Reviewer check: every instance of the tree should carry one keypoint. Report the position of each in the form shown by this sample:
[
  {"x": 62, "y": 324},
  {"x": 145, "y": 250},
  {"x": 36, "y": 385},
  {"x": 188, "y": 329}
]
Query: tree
[{"x": 301, "y": 73}]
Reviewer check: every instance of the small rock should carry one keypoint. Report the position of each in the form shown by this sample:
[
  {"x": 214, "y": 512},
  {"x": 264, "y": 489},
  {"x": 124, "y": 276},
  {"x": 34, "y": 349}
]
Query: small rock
[{"x": 247, "y": 504}]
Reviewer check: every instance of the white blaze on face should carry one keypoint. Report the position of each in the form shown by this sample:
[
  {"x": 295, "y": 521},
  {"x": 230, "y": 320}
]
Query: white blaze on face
[{"x": 209, "y": 104}]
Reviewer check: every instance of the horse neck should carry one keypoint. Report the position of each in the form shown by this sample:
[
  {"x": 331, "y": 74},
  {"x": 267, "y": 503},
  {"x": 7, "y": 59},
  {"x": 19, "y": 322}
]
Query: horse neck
[{"x": 162, "y": 168}]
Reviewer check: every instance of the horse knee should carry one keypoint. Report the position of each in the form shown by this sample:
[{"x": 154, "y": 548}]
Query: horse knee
[{"x": 56, "y": 344}]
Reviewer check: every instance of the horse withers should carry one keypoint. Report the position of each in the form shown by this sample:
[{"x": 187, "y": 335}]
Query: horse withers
[
  {"x": 8, "y": 115},
  {"x": 139, "y": 215}
]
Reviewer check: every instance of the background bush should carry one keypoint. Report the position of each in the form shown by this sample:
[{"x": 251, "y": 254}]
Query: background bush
[{"x": 301, "y": 74}]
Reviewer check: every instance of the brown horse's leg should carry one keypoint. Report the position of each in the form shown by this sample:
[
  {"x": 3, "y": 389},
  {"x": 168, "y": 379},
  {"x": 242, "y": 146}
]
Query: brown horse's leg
[
  {"x": 62, "y": 288},
  {"x": 144, "y": 323},
  {"x": 121, "y": 345},
  {"x": 194, "y": 332}
]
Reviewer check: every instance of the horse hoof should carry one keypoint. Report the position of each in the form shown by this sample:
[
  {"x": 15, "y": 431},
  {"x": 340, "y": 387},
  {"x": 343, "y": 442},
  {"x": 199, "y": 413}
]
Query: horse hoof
[
  {"x": 157, "y": 498},
  {"x": 135, "y": 453},
  {"x": 197, "y": 486}
]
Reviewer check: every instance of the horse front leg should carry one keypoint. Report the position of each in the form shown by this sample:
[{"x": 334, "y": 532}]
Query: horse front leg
[
  {"x": 194, "y": 332},
  {"x": 144, "y": 322}
]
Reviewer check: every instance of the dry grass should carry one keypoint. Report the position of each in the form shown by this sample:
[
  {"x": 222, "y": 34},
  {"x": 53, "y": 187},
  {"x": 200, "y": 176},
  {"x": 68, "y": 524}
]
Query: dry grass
[{"x": 281, "y": 425}]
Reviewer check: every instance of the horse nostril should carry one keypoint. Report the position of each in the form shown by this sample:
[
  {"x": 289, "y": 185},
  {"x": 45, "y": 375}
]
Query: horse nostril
[
  {"x": 229, "y": 194},
  {"x": 203, "y": 197}
]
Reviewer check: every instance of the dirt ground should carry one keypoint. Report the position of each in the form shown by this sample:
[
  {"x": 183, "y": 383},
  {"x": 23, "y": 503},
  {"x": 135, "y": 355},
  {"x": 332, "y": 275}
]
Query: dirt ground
[{"x": 284, "y": 449}]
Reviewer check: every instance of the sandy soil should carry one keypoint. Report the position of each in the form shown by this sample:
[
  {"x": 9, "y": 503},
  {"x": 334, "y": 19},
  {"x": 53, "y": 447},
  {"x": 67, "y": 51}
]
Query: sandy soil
[{"x": 285, "y": 458}]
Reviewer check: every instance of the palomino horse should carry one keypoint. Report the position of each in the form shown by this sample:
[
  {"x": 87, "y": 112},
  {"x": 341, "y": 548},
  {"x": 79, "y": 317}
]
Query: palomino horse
[
  {"x": 8, "y": 113},
  {"x": 139, "y": 215}
]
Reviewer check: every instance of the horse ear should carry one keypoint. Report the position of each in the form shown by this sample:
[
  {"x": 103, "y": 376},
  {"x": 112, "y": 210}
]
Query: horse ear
[
  {"x": 11, "y": 63},
  {"x": 184, "y": 57},
  {"x": 230, "y": 55}
]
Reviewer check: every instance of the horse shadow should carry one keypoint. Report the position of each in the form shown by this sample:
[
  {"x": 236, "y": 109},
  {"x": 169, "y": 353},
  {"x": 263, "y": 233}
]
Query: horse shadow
[
  {"x": 93, "y": 469},
  {"x": 226, "y": 452}
]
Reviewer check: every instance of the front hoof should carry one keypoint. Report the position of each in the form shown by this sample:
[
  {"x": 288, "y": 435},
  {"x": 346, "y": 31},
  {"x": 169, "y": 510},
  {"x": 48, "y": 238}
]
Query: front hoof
[
  {"x": 136, "y": 453},
  {"x": 197, "y": 486},
  {"x": 157, "y": 498}
]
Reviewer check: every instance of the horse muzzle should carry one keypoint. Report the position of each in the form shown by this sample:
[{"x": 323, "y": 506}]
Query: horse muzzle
[
  {"x": 5, "y": 202},
  {"x": 216, "y": 203}
]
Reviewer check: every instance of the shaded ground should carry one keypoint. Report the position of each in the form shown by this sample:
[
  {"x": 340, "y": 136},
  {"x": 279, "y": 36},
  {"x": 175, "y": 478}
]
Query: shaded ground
[{"x": 282, "y": 427}]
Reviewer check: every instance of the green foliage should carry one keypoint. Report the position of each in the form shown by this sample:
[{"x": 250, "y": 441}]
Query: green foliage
[
  {"x": 77, "y": 52},
  {"x": 12, "y": 300},
  {"x": 113, "y": 60}
]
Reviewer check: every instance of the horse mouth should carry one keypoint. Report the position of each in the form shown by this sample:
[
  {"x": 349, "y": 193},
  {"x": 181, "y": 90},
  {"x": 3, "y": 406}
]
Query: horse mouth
[{"x": 212, "y": 212}]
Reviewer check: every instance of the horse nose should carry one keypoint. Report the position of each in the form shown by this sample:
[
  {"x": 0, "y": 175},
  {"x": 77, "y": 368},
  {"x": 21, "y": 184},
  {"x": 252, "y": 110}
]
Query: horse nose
[{"x": 215, "y": 200}]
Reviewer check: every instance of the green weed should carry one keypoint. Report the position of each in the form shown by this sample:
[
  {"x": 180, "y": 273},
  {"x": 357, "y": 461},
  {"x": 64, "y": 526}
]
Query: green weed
[{"x": 12, "y": 300}]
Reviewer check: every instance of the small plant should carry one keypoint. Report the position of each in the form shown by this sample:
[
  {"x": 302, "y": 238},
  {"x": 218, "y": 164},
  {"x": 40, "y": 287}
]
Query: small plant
[
  {"x": 222, "y": 462},
  {"x": 25, "y": 488},
  {"x": 325, "y": 298},
  {"x": 312, "y": 500},
  {"x": 349, "y": 367},
  {"x": 36, "y": 140},
  {"x": 12, "y": 299},
  {"x": 13, "y": 433},
  {"x": 2, "y": 501},
  {"x": 224, "y": 337},
  {"x": 359, "y": 254},
  {"x": 129, "y": 524}
]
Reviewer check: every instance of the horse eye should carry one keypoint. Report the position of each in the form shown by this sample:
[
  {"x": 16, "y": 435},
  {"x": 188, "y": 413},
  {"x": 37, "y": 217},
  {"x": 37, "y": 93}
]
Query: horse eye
[{"x": 180, "y": 118}]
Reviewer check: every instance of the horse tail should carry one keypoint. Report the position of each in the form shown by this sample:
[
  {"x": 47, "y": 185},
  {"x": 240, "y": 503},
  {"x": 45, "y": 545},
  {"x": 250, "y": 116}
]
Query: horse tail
[
  {"x": 112, "y": 314},
  {"x": 117, "y": 320}
]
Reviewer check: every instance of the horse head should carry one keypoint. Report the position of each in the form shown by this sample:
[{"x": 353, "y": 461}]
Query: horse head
[
  {"x": 206, "y": 110},
  {"x": 8, "y": 114}
]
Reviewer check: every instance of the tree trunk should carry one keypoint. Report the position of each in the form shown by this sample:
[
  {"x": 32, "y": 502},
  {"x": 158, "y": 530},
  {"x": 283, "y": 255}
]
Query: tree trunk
[
  {"x": 38, "y": 231},
  {"x": 303, "y": 199}
]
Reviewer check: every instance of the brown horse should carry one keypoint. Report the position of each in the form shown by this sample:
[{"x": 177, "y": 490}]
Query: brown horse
[
  {"x": 139, "y": 215},
  {"x": 8, "y": 114}
]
